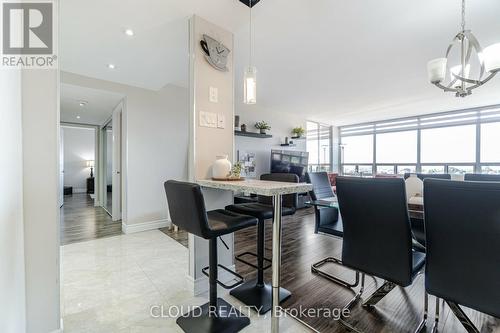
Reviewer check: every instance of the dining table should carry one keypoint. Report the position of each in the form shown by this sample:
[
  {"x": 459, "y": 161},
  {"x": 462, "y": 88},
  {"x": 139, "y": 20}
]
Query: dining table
[{"x": 275, "y": 190}]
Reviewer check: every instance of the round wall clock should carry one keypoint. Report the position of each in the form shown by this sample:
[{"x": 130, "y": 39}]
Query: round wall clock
[{"x": 215, "y": 52}]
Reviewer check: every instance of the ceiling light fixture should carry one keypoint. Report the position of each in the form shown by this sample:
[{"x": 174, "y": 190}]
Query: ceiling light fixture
[
  {"x": 77, "y": 117},
  {"x": 129, "y": 32},
  {"x": 82, "y": 103},
  {"x": 460, "y": 81},
  {"x": 111, "y": 66},
  {"x": 250, "y": 75}
]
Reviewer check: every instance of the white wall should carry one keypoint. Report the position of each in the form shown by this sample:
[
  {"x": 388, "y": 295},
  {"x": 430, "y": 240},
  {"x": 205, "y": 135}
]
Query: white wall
[
  {"x": 79, "y": 147},
  {"x": 41, "y": 198},
  {"x": 281, "y": 127},
  {"x": 12, "y": 281},
  {"x": 155, "y": 146}
]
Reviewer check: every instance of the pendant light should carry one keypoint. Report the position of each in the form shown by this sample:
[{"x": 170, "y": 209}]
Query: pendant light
[
  {"x": 250, "y": 75},
  {"x": 460, "y": 81}
]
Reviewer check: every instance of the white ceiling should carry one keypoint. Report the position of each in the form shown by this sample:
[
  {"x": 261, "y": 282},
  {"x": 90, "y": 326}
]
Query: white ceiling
[
  {"x": 336, "y": 61},
  {"x": 100, "y": 105}
]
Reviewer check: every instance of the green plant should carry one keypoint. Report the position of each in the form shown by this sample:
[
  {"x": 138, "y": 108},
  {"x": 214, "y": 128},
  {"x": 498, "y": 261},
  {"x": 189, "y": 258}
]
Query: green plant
[
  {"x": 236, "y": 170},
  {"x": 262, "y": 125},
  {"x": 298, "y": 131}
]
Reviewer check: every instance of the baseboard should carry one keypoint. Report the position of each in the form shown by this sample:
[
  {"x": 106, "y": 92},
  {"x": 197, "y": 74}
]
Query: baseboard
[
  {"x": 59, "y": 330},
  {"x": 144, "y": 226},
  {"x": 200, "y": 285}
]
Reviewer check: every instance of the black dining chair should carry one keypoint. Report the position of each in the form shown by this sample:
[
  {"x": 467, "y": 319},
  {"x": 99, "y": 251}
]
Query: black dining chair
[
  {"x": 187, "y": 210},
  {"x": 377, "y": 235},
  {"x": 257, "y": 293},
  {"x": 462, "y": 226},
  {"x": 327, "y": 221},
  {"x": 481, "y": 177}
]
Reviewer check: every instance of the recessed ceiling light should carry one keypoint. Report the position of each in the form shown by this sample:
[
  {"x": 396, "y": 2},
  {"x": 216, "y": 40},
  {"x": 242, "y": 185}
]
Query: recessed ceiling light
[
  {"x": 82, "y": 103},
  {"x": 111, "y": 66},
  {"x": 129, "y": 32},
  {"x": 77, "y": 117}
]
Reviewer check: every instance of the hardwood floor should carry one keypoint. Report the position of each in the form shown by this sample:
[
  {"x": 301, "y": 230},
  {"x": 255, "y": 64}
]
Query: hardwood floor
[
  {"x": 180, "y": 236},
  {"x": 400, "y": 311},
  {"x": 81, "y": 221}
]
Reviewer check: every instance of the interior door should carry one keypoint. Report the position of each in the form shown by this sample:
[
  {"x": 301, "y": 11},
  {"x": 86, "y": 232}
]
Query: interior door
[
  {"x": 61, "y": 167},
  {"x": 117, "y": 155}
]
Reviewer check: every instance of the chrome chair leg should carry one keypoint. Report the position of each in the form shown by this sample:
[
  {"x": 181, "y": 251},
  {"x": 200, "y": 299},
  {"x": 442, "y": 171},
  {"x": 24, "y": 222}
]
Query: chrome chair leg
[
  {"x": 380, "y": 293},
  {"x": 423, "y": 323},
  {"x": 315, "y": 270},
  {"x": 464, "y": 320},
  {"x": 436, "y": 318}
]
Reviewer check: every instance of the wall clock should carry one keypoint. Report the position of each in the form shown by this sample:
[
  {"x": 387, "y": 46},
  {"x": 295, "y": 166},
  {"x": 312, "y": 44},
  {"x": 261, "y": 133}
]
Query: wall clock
[{"x": 215, "y": 52}]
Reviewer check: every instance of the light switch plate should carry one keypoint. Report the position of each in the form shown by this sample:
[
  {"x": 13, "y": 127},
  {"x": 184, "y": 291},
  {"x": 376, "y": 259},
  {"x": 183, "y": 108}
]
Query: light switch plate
[
  {"x": 214, "y": 95},
  {"x": 208, "y": 119},
  {"x": 221, "y": 121}
]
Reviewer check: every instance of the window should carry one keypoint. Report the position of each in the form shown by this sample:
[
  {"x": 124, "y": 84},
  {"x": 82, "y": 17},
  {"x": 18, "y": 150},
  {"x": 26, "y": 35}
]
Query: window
[
  {"x": 397, "y": 147},
  {"x": 318, "y": 146},
  {"x": 385, "y": 169},
  {"x": 491, "y": 169},
  {"x": 449, "y": 144},
  {"x": 357, "y": 149},
  {"x": 460, "y": 169},
  {"x": 490, "y": 142},
  {"x": 402, "y": 169},
  {"x": 433, "y": 169}
]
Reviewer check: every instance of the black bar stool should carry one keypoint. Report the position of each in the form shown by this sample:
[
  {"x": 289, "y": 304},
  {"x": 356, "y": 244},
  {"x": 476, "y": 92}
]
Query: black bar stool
[
  {"x": 187, "y": 210},
  {"x": 256, "y": 292}
]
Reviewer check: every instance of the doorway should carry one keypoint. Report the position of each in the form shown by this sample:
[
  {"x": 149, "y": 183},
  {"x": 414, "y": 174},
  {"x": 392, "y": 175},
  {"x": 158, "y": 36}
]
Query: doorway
[{"x": 111, "y": 152}]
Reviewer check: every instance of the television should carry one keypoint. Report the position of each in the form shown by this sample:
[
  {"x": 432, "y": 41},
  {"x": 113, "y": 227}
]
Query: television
[{"x": 290, "y": 161}]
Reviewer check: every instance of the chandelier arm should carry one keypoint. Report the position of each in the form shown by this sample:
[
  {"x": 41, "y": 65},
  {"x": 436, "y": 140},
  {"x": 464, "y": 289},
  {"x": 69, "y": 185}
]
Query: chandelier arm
[
  {"x": 448, "y": 89},
  {"x": 474, "y": 43},
  {"x": 480, "y": 83},
  {"x": 463, "y": 79}
]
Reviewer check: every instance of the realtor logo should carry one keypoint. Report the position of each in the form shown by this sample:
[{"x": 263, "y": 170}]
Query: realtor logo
[{"x": 28, "y": 34}]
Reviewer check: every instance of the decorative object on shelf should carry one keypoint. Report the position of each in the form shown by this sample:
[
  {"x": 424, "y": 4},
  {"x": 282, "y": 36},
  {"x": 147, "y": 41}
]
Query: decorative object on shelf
[
  {"x": 250, "y": 74},
  {"x": 236, "y": 122},
  {"x": 414, "y": 186},
  {"x": 90, "y": 164},
  {"x": 262, "y": 126},
  {"x": 215, "y": 53},
  {"x": 243, "y": 127},
  {"x": 461, "y": 82},
  {"x": 221, "y": 167},
  {"x": 286, "y": 140},
  {"x": 298, "y": 132}
]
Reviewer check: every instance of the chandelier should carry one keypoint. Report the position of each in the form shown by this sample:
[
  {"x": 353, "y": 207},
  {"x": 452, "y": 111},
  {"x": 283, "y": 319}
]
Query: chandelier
[{"x": 460, "y": 80}]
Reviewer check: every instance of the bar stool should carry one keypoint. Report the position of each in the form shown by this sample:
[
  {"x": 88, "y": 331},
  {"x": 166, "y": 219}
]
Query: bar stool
[
  {"x": 256, "y": 292},
  {"x": 187, "y": 210}
]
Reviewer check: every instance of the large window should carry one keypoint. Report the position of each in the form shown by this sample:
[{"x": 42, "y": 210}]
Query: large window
[
  {"x": 457, "y": 142},
  {"x": 319, "y": 146},
  {"x": 449, "y": 144}
]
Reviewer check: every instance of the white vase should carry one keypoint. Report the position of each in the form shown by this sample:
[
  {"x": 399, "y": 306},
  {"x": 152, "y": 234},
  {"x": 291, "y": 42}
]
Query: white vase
[
  {"x": 221, "y": 167},
  {"x": 414, "y": 186}
]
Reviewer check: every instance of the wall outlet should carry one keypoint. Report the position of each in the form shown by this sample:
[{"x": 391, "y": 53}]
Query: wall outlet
[
  {"x": 208, "y": 119},
  {"x": 221, "y": 121},
  {"x": 214, "y": 95}
]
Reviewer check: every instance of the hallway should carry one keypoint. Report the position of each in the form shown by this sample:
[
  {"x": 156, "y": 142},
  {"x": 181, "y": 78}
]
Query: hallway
[{"x": 82, "y": 221}]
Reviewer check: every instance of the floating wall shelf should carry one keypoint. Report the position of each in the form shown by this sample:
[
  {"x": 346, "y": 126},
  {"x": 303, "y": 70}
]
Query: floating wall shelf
[{"x": 252, "y": 135}]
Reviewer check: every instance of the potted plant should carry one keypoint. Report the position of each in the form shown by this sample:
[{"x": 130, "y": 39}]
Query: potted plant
[
  {"x": 262, "y": 126},
  {"x": 298, "y": 132}
]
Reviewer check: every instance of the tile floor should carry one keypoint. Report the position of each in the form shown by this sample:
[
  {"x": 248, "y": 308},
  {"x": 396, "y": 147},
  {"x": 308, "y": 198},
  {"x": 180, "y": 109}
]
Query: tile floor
[{"x": 109, "y": 285}]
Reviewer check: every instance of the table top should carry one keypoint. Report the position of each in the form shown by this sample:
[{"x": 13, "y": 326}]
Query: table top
[{"x": 262, "y": 187}]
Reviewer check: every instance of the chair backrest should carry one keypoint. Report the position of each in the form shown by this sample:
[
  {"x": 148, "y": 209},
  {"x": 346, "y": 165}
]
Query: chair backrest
[
  {"x": 289, "y": 200},
  {"x": 322, "y": 187},
  {"x": 187, "y": 207},
  {"x": 481, "y": 177},
  {"x": 423, "y": 176},
  {"x": 462, "y": 228},
  {"x": 377, "y": 233}
]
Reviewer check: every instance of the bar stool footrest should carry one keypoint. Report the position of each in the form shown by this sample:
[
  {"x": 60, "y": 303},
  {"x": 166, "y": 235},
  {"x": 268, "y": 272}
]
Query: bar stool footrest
[
  {"x": 240, "y": 259},
  {"x": 239, "y": 279}
]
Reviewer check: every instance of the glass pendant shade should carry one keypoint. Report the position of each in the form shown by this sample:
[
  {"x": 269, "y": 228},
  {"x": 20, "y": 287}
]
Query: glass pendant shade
[
  {"x": 457, "y": 70},
  {"x": 436, "y": 70},
  {"x": 491, "y": 58},
  {"x": 250, "y": 86}
]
